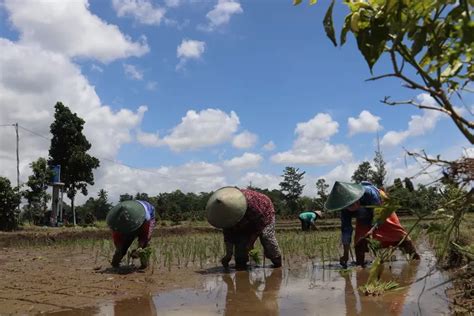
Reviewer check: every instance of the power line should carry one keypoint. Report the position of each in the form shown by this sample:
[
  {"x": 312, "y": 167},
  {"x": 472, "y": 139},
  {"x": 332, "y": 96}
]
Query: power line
[
  {"x": 34, "y": 133},
  {"x": 107, "y": 159}
]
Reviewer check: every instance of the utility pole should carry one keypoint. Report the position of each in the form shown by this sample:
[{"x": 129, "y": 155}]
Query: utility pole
[{"x": 17, "y": 156}]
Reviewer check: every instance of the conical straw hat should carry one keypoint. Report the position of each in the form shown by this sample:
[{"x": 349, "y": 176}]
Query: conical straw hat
[
  {"x": 226, "y": 207},
  {"x": 126, "y": 217},
  {"x": 343, "y": 194}
]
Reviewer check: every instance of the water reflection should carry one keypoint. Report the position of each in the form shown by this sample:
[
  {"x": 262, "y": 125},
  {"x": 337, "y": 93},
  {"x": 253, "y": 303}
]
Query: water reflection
[
  {"x": 243, "y": 294},
  {"x": 306, "y": 290},
  {"x": 390, "y": 303}
]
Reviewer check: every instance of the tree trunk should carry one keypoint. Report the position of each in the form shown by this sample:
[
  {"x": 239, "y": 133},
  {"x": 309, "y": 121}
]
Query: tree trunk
[{"x": 73, "y": 211}]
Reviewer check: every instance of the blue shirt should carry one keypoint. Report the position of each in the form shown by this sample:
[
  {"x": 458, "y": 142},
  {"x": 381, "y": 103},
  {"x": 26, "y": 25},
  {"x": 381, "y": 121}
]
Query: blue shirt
[
  {"x": 363, "y": 215},
  {"x": 308, "y": 216},
  {"x": 149, "y": 209}
]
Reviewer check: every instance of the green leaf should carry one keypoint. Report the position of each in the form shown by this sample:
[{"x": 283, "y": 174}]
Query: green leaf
[
  {"x": 346, "y": 27},
  {"x": 311, "y": 2},
  {"x": 296, "y": 2},
  {"x": 419, "y": 41},
  {"x": 328, "y": 24},
  {"x": 371, "y": 43}
]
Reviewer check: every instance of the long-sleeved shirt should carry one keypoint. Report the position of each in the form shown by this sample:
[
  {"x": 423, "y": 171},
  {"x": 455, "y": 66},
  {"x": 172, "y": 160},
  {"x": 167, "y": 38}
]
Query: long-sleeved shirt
[
  {"x": 307, "y": 216},
  {"x": 144, "y": 232},
  {"x": 363, "y": 215},
  {"x": 259, "y": 213}
]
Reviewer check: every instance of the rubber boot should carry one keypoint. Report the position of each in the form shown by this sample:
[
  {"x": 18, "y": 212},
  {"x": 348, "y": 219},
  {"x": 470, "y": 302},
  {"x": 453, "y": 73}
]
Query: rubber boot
[{"x": 408, "y": 248}]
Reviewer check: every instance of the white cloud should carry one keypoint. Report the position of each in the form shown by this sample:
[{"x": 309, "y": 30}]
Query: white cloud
[
  {"x": 189, "y": 49},
  {"x": 172, "y": 3},
  {"x": 244, "y": 140},
  {"x": 312, "y": 145},
  {"x": 246, "y": 161},
  {"x": 37, "y": 79},
  {"x": 260, "y": 180},
  {"x": 143, "y": 11},
  {"x": 418, "y": 125},
  {"x": 151, "y": 86},
  {"x": 191, "y": 177},
  {"x": 221, "y": 13},
  {"x": 69, "y": 28},
  {"x": 202, "y": 129},
  {"x": 269, "y": 146},
  {"x": 365, "y": 123},
  {"x": 149, "y": 139},
  {"x": 97, "y": 68},
  {"x": 133, "y": 72}
]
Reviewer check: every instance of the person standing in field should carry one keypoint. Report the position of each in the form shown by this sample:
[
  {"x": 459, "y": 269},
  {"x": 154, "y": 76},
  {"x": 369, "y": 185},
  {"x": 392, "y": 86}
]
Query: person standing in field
[
  {"x": 129, "y": 220},
  {"x": 244, "y": 215},
  {"x": 354, "y": 200},
  {"x": 308, "y": 219}
]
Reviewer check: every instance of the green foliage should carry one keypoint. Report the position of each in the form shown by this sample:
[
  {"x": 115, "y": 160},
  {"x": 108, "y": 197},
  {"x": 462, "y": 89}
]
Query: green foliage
[
  {"x": 254, "y": 254},
  {"x": 9, "y": 200},
  {"x": 36, "y": 194},
  {"x": 69, "y": 149},
  {"x": 291, "y": 186},
  {"x": 433, "y": 38},
  {"x": 378, "y": 174},
  {"x": 378, "y": 287},
  {"x": 362, "y": 173},
  {"x": 125, "y": 197},
  {"x": 322, "y": 192},
  {"x": 94, "y": 209}
]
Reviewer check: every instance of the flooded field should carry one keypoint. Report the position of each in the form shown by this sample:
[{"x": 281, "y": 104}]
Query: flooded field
[{"x": 303, "y": 289}]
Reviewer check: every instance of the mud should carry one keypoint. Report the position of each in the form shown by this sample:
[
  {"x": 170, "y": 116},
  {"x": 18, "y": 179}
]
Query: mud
[{"x": 72, "y": 282}]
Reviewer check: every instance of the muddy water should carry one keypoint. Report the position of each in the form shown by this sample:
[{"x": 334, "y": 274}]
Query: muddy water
[{"x": 305, "y": 290}]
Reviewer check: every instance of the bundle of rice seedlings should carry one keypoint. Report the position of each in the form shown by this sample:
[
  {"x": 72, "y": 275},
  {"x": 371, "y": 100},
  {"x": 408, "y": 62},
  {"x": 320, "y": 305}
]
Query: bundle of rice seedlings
[{"x": 378, "y": 287}]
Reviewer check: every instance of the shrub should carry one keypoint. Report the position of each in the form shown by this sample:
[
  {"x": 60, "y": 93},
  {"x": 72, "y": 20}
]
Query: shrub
[{"x": 10, "y": 198}]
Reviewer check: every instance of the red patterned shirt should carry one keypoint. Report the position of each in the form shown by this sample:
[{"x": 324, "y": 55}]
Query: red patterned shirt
[{"x": 260, "y": 213}]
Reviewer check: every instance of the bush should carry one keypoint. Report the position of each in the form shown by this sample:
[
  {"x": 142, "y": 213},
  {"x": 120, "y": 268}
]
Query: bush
[{"x": 10, "y": 198}]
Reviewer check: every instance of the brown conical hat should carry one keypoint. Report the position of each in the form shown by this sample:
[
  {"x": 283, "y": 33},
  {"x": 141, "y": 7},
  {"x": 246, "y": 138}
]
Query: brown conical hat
[
  {"x": 343, "y": 194},
  {"x": 226, "y": 207}
]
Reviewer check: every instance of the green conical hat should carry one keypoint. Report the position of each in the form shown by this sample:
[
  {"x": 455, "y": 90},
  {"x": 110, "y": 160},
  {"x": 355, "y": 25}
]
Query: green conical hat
[
  {"x": 126, "y": 217},
  {"x": 226, "y": 207},
  {"x": 343, "y": 194}
]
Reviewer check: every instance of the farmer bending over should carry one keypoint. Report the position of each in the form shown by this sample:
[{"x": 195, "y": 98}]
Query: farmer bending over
[
  {"x": 352, "y": 199},
  {"x": 129, "y": 220},
  {"x": 308, "y": 219},
  {"x": 244, "y": 216}
]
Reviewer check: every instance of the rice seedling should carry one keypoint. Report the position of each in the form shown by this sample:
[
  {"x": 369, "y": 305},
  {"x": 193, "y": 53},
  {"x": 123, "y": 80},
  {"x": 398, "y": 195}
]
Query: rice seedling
[{"x": 378, "y": 287}]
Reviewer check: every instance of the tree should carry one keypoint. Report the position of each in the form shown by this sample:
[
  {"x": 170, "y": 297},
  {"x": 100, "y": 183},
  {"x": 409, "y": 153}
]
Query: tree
[
  {"x": 102, "y": 206},
  {"x": 10, "y": 198},
  {"x": 125, "y": 197},
  {"x": 408, "y": 184},
  {"x": 69, "y": 149},
  {"x": 377, "y": 176},
  {"x": 362, "y": 173},
  {"x": 142, "y": 196},
  {"x": 429, "y": 44},
  {"x": 36, "y": 196},
  {"x": 291, "y": 186},
  {"x": 321, "y": 189}
]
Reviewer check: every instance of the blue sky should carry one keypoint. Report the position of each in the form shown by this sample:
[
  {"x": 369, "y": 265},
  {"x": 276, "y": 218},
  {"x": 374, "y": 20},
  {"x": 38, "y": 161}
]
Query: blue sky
[{"x": 195, "y": 94}]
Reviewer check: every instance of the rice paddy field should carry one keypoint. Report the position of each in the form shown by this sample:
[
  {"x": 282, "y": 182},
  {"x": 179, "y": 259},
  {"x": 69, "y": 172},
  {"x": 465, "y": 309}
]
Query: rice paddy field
[{"x": 67, "y": 272}]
